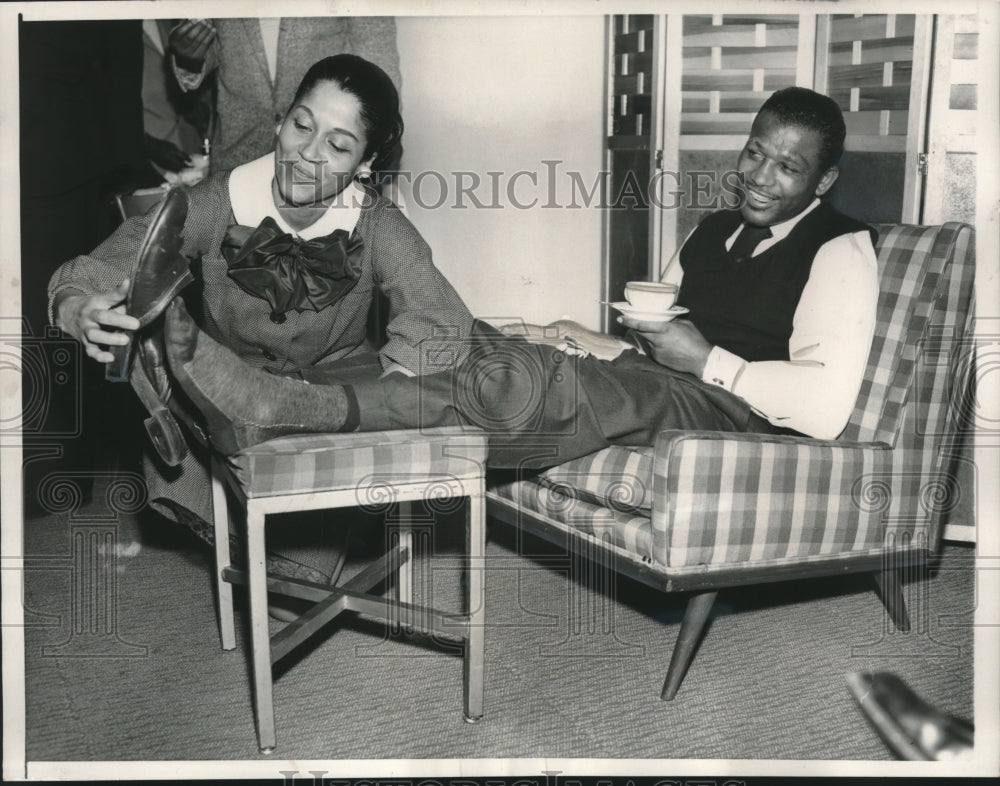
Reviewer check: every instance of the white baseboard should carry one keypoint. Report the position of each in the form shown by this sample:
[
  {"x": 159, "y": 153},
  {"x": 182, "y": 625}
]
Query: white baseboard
[{"x": 960, "y": 532}]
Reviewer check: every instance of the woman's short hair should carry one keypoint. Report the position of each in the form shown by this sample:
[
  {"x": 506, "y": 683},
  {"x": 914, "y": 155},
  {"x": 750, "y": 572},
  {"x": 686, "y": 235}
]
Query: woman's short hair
[
  {"x": 800, "y": 106},
  {"x": 375, "y": 92}
]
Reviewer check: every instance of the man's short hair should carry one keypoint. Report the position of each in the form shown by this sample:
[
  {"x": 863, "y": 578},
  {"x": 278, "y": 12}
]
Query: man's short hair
[{"x": 806, "y": 108}]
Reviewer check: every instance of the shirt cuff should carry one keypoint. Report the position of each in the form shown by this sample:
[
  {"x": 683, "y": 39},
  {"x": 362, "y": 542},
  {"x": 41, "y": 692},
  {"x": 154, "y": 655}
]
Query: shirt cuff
[
  {"x": 54, "y": 296},
  {"x": 723, "y": 369},
  {"x": 188, "y": 80}
]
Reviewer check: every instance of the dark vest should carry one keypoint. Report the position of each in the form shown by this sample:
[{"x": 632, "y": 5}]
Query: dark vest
[{"x": 747, "y": 307}]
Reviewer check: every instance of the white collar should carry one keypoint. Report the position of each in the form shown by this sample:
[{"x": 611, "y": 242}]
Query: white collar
[
  {"x": 251, "y": 200},
  {"x": 780, "y": 230}
]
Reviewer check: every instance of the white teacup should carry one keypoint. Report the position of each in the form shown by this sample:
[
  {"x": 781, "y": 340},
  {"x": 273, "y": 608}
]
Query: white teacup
[{"x": 650, "y": 295}]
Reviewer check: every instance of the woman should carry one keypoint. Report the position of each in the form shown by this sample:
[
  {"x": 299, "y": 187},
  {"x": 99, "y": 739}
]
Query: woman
[{"x": 292, "y": 246}]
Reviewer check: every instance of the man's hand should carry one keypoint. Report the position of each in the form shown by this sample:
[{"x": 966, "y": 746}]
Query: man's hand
[
  {"x": 678, "y": 344},
  {"x": 189, "y": 43},
  {"x": 165, "y": 154}
]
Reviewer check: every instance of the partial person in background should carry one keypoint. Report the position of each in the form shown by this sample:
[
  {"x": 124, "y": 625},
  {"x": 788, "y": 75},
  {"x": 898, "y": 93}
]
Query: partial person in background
[
  {"x": 176, "y": 123},
  {"x": 259, "y": 64}
]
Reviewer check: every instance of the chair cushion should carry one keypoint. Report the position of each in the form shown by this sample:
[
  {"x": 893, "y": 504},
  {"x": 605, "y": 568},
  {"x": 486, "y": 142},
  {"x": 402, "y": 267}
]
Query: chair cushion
[
  {"x": 368, "y": 462},
  {"x": 620, "y": 478},
  {"x": 560, "y": 504}
]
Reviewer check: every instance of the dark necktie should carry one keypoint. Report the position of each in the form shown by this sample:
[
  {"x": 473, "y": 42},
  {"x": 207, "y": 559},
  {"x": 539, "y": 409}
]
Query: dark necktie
[{"x": 748, "y": 239}]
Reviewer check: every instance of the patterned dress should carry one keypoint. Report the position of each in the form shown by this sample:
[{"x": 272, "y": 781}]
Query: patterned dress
[{"x": 427, "y": 318}]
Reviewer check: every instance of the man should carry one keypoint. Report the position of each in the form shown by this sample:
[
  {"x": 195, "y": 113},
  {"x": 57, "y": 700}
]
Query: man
[{"x": 781, "y": 297}]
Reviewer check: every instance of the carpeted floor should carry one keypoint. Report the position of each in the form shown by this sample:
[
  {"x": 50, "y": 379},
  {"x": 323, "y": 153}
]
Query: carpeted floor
[{"x": 571, "y": 672}]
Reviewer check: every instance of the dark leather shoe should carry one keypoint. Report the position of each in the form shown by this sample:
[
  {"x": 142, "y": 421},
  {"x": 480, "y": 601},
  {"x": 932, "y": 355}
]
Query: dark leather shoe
[
  {"x": 151, "y": 383},
  {"x": 912, "y": 728},
  {"x": 162, "y": 271}
]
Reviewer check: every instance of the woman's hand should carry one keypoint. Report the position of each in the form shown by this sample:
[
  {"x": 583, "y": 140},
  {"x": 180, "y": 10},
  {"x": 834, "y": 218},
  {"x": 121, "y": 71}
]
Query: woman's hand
[
  {"x": 536, "y": 334},
  {"x": 96, "y": 321},
  {"x": 569, "y": 336}
]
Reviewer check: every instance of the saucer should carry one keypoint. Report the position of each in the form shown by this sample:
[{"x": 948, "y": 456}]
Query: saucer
[{"x": 648, "y": 316}]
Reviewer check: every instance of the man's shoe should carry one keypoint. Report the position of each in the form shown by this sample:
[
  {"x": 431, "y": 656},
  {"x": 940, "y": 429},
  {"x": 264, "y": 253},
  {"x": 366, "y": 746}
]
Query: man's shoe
[
  {"x": 162, "y": 271},
  {"x": 151, "y": 382},
  {"x": 912, "y": 728}
]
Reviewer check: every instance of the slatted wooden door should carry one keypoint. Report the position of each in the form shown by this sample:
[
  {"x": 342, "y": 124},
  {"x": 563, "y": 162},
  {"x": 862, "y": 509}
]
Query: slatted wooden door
[
  {"x": 876, "y": 66},
  {"x": 960, "y": 72},
  {"x": 633, "y": 121}
]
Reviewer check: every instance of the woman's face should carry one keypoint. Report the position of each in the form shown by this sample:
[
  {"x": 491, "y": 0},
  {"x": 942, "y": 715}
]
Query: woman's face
[{"x": 321, "y": 144}]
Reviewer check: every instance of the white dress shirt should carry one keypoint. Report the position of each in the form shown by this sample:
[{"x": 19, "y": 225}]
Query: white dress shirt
[
  {"x": 815, "y": 390},
  {"x": 269, "y": 29}
]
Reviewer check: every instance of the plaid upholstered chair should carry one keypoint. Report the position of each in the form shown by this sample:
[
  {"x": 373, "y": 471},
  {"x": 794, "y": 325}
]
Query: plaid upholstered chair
[{"x": 702, "y": 511}]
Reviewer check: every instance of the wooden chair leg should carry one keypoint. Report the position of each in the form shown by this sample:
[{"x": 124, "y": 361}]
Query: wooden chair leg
[
  {"x": 475, "y": 656},
  {"x": 223, "y": 558},
  {"x": 404, "y": 577},
  {"x": 260, "y": 638},
  {"x": 890, "y": 591},
  {"x": 698, "y": 609}
]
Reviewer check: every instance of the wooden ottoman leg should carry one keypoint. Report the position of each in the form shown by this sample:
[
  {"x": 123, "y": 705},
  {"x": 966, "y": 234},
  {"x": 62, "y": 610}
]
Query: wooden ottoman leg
[
  {"x": 475, "y": 644},
  {"x": 260, "y": 639},
  {"x": 223, "y": 558},
  {"x": 404, "y": 578},
  {"x": 698, "y": 609}
]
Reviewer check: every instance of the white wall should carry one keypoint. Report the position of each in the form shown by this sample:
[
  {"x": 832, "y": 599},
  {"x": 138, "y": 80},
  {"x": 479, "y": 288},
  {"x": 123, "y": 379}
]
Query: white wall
[{"x": 493, "y": 94}]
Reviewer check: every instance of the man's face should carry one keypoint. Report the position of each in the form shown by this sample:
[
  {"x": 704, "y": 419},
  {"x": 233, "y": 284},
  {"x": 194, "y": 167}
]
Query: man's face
[{"x": 782, "y": 171}]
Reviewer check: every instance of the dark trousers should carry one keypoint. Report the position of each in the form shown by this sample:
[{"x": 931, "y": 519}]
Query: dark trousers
[{"x": 542, "y": 407}]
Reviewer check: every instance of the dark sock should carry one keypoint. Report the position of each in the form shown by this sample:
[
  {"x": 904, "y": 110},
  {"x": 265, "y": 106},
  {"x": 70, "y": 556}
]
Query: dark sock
[{"x": 242, "y": 405}]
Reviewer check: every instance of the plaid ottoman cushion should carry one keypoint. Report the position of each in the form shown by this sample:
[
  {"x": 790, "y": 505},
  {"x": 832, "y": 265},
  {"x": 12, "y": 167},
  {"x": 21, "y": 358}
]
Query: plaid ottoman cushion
[{"x": 368, "y": 462}]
